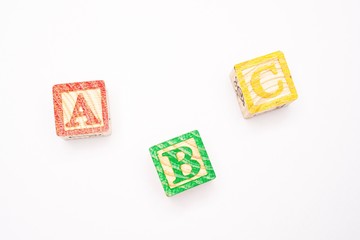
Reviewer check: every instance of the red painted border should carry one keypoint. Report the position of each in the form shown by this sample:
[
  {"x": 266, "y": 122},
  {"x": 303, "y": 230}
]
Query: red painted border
[{"x": 58, "y": 89}]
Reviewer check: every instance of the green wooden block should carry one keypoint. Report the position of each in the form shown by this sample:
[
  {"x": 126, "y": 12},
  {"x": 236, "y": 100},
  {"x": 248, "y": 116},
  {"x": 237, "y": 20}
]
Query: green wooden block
[{"x": 182, "y": 163}]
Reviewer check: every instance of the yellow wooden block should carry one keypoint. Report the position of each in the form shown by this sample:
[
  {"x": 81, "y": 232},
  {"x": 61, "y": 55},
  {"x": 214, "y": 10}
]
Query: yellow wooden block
[{"x": 263, "y": 84}]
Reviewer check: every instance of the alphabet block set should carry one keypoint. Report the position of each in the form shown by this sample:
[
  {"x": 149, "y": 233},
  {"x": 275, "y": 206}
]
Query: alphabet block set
[{"x": 261, "y": 85}]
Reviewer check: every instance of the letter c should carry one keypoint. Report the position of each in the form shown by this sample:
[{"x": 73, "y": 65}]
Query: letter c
[{"x": 258, "y": 88}]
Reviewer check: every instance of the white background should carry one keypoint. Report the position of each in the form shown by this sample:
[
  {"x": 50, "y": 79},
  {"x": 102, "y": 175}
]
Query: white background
[{"x": 293, "y": 173}]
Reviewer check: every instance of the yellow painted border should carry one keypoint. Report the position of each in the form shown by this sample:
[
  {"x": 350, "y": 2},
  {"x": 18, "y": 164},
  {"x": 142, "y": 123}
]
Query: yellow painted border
[{"x": 276, "y": 102}]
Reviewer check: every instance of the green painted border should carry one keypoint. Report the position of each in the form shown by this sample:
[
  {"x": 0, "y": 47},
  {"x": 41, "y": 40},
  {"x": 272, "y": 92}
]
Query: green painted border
[{"x": 210, "y": 171}]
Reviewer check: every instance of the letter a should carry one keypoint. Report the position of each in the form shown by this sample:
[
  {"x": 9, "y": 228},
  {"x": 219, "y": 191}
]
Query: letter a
[{"x": 85, "y": 111}]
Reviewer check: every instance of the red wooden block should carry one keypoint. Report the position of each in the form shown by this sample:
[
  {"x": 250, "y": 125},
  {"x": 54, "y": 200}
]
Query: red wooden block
[{"x": 81, "y": 109}]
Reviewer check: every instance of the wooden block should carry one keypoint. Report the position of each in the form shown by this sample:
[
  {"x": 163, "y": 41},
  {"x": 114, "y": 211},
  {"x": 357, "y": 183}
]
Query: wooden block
[
  {"x": 81, "y": 109},
  {"x": 182, "y": 163},
  {"x": 263, "y": 84}
]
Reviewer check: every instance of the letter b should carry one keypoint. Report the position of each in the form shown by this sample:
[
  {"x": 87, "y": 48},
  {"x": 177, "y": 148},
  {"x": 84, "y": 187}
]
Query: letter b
[{"x": 176, "y": 163}]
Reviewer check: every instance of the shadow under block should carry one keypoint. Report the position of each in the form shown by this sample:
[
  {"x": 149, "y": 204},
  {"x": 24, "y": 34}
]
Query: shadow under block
[
  {"x": 81, "y": 109},
  {"x": 182, "y": 163},
  {"x": 263, "y": 84}
]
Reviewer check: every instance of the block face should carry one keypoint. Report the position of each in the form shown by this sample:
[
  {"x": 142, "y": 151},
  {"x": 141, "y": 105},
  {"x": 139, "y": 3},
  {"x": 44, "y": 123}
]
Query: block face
[
  {"x": 81, "y": 109},
  {"x": 265, "y": 84},
  {"x": 92, "y": 98},
  {"x": 182, "y": 163}
]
